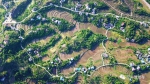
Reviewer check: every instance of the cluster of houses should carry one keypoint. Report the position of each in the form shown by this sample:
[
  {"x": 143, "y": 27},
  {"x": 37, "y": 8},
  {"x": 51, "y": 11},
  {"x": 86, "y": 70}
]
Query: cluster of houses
[
  {"x": 58, "y": 22},
  {"x": 130, "y": 40},
  {"x": 143, "y": 57},
  {"x": 77, "y": 6},
  {"x": 56, "y": 61},
  {"x": 122, "y": 28},
  {"x": 93, "y": 10},
  {"x": 38, "y": 17},
  {"x": 108, "y": 26},
  {"x": 134, "y": 67},
  {"x": 84, "y": 70},
  {"x": 144, "y": 24},
  {"x": 33, "y": 51}
]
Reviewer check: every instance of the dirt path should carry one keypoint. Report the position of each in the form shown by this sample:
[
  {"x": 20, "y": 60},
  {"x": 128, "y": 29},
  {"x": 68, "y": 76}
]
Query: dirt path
[{"x": 146, "y": 3}]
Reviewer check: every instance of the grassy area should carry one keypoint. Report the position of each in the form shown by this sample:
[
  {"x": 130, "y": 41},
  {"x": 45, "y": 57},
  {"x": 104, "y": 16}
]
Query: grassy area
[{"x": 2, "y": 15}]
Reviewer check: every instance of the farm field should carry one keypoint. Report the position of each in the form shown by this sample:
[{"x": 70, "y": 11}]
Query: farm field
[{"x": 74, "y": 42}]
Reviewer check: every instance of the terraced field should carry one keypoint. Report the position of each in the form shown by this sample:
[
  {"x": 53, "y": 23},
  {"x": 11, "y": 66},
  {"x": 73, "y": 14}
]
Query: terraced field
[{"x": 60, "y": 14}]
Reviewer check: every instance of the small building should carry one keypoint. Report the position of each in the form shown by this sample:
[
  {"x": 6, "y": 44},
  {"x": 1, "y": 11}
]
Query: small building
[
  {"x": 92, "y": 67},
  {"x": 80, "y": 13},
  {"x": 30, "y": 59},
  {"x": 2, "y": 46},
  {"x": 87, "y": 7},
  {"x": 132, "y": 64},
  {"x": 78, "y": 5},
  {"x": 133, "y": 40},
  {"x": 142, "y": 61},
  {"x": 34, "y": 9},
  {"x": 3, "y": 79},
  {"x": 62, "y": 1},
  {"x": 62, "y": 78},
  {"x": 127, "y": 39},
  {"x": 122, "y": 29},
  {"x": 108, "y": 26},
  {"x": 148, "y": 49},
  {"x": 77, "y": 69},
  {"x": 133, "y": 69},
  {"x": 122, "y": 24},
  {"x": 94, "y": 10},
  {"x": 148, "y": 58},
  {"x": 39, "y": 17},
  {"x": 105, "y": 55},
  {"x": 29, "y": 49},
  {"x": 6, "y": 40},
  {"x": 138, "y": 68}
]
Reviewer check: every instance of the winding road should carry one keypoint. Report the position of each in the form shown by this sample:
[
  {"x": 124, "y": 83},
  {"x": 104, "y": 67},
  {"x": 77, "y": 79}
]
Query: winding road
[{"x": 104, "y": 65}]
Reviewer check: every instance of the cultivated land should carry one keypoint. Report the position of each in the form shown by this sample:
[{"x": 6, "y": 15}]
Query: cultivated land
[{"x": 74, "y": 42}]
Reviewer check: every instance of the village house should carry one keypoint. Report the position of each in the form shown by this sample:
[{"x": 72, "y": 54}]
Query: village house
[
  {"x": 30, "y": 59},
  {"x": 78, "y": 6},
  {"x": 148, "y": 58},
  {"x": 71, "y": 60},
  {"x": 108, "y": 26},
  {"x": 139, "y": 55},
  {"x": 39, "y": 17},
  {"x": 132, "y": 64},
  {"x": 34, "y": 9},
  {"x": 127, "y": 39},
  {"x": 91, "y": 68},
  {"x": 133, "y": 69},
  {"x": 94, "y": 11},
  {"x": 77, "y": 69},
  {"x": 87, "y": 7},
  {"x": 62, "y": 78},
  {"x": 138, "y": 68},
  {"x": 2, "y": 46},
  {"x": 3, "y": 79},
  {"x": 62, "y": 1},
  {"x": 105, "y": 55},
  {"x": 142, "y": 61},
  {"x": 6, "y": 40}
]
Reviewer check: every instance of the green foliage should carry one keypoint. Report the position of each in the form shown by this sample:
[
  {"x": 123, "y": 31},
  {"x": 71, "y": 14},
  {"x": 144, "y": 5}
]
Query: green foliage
[
  {"x": 12, "y": 46},
  {"x": 123, "y": 8},
  {"x": 95, "y": 80},
  {"x": 64, "y": 25},
  {"x": 21, "y": 75},
  {"x": 148, "y": 1},
  {"x": 45, "y": 31},
  {"x": 109, "y": 79},
  {"x": 112, "y": 60},
  {"x": 142, "y": 12},
  {"x": 84, "y": 39},
  {"x": 97, "y": 20},
  {"x": 51, "y": 42},
  {"x": 20, "y": 9},
  {"x": 80, "y": 18},
  {"x": 131, "y": 32}
]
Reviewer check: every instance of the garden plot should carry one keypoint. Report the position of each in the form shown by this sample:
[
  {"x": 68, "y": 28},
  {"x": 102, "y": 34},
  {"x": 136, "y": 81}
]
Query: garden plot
[{"x": 93, "y": 54}]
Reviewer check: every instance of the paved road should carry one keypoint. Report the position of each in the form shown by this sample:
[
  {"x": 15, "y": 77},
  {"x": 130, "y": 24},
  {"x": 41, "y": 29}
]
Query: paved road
[{"x": 82, "y": 55}]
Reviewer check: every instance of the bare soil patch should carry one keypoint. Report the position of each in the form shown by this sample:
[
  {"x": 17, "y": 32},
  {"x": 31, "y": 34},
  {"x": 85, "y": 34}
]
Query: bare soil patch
[{"x": 145, "y": 78}]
